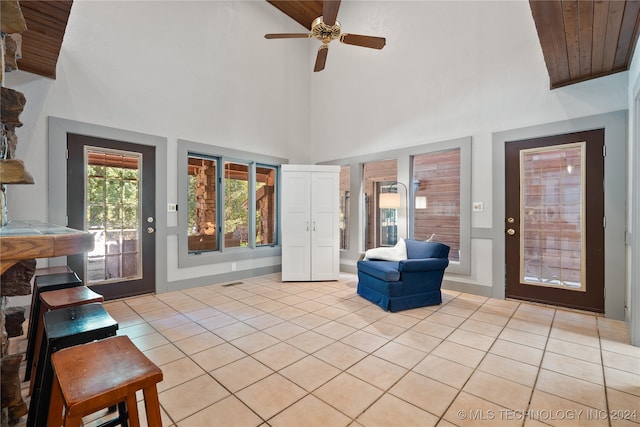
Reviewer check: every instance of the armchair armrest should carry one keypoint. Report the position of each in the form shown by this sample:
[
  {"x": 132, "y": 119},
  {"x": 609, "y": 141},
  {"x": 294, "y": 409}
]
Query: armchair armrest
[{"x": 426, "y": 264}]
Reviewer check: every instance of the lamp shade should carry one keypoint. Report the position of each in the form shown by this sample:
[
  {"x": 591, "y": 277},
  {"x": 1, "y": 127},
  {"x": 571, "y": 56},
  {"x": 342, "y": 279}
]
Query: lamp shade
[{"x": 389, "y": 201}]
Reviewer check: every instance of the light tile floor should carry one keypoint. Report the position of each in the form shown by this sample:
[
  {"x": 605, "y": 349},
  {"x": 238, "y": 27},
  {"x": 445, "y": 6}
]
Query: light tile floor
[{"x": 267, "y": 353}]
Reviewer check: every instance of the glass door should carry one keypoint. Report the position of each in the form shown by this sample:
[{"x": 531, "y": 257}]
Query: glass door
[
  {"x": 554, "y": 225},
  {"x": 111, "y": 194},
  {"x": 113, "y": 213},
  {"x": 388, "y": 204}
]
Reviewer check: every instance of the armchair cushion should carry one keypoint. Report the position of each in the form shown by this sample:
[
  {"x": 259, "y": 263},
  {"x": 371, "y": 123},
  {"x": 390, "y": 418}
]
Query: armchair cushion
[{"x": 383, "y": 270}]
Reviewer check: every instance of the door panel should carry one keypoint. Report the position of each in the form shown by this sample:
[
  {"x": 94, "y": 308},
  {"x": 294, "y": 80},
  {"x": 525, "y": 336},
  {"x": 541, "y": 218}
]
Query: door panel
[
  {"x": 111, "y": 193},
  {"x": 325, "y": 255},
  {"x": 554, "y": 220},
  {"x": 296, "y": 213}
]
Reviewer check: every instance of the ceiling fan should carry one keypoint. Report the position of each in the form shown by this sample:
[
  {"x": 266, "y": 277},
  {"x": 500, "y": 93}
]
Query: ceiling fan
[{"x": 326, "y": 28}]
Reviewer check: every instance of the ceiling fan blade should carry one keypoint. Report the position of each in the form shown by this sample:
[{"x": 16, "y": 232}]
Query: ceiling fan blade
[
  {"x": 287, "y": 36},
  {"x": 330, "y": 11},
  {"x": 321, "y": 59},
  {"x": 364, "y": 41}
]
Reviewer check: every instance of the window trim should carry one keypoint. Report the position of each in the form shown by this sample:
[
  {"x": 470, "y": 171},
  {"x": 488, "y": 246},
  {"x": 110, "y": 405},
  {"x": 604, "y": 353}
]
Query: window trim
[{"x": 186, "y": 259}]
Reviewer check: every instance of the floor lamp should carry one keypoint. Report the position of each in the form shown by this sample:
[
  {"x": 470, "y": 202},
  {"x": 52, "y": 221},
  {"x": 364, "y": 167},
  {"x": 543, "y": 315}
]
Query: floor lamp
[{"x": 391, "y": 200}]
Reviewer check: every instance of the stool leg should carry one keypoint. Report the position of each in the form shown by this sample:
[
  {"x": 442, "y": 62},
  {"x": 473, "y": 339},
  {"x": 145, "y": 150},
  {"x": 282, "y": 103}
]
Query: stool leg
[
  {"x": 152, "y": 406},
  {"x": 30, "y": 333},
  {"x": 37, "y": 336},
  {"x": 54, "y": 419},
  {"x": 39, "y": 397},
  {"x": 132, "y": 410},
  {"x": 123, "y": 414},
  {"x": 73, "y": 421}
]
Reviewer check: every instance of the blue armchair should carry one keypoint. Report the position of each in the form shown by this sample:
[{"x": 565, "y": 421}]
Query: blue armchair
[{"x": 401, "y": 285}]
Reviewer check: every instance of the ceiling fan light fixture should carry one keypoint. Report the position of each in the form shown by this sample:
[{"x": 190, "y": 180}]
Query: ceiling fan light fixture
[
  {"x": 329, "y": 31},
  {"x": 323, "y": 32}
]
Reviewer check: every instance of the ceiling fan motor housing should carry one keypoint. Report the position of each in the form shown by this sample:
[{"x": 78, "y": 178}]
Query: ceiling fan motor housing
[{"x": 324, "y": 32}]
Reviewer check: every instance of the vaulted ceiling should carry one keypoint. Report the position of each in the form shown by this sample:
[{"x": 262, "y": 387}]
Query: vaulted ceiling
[{"x": 580, "y": 39}]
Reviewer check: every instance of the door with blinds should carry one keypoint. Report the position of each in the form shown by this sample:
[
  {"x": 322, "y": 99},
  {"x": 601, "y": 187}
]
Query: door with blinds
[{"x": 554, "y": 225}]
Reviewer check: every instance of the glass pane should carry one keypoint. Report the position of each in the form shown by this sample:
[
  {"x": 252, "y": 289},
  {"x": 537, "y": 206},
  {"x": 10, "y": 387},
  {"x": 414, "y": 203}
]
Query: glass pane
[
  {"x": 114, "y": 217},
  {"x": 97, "y": 169},
  {"x": 265, "y": 205},
  {"x": 115, "y": 170},
  {"x": 130, "y": 217},
  {"x": 96, "y": 191},
  {"x": 130, "y": 190},
  {"x": 113, "y": 239},
  {"x": 388, "y": 226},
  {"x": 374, "y": 174},
  {"x": 112, "y": 267},
  {"x": 202, "y": 204},
  {"x": 345, "y": 197},
  {"x": 236, "y": 204},
  {"x": 96, "y": 267},
  {"x": 129, "y": 241},
  {"x": 95, "y": 218},
  {"x": 112, "y": 214},
  {"x": 551, "y": 217},
  {"x": 131, "y": 174},
  {"x": 114, "y": 191},
  {"x": 436, "y": 199}
]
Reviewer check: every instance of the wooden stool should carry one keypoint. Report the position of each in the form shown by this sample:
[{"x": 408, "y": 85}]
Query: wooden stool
[
  {"x": 64, "y": 328},
  {"x": 44, "y": 283},
  {"x": 54, "y": 300},
  {"x": 94, "y": 376}
]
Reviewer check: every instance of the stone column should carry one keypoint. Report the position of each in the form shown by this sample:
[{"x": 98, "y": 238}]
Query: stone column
[{"x": 17, "y": 280}]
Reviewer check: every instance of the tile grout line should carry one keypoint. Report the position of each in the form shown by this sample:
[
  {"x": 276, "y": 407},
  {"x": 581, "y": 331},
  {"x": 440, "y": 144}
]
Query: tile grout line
[
  {"x": 544, "y": 353},
  {"x": 604, "y": 377},
  {"x": 475, "y": 369}
]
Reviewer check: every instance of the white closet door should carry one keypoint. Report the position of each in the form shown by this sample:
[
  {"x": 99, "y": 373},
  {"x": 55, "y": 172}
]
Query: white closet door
[
  {"x": 296, "y": 226},
  {"x": 325, "y": 202}
]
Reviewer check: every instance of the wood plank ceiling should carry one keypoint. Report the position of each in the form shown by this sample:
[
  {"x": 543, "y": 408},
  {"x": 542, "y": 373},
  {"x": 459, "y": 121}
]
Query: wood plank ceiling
[
  {"x": 585, "y": 39},
  {"x": 580, "y": 39},
  {"x": 41, "y": 42}
]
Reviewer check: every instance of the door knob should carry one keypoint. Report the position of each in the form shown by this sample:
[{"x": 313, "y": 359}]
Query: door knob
[
  {"x": 511, "y": 231},
  {"x": 150, "y": 230}
]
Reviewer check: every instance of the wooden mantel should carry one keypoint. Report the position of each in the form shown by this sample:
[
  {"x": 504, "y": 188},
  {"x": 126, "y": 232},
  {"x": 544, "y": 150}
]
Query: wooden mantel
[{"x": 34, "y": 239}]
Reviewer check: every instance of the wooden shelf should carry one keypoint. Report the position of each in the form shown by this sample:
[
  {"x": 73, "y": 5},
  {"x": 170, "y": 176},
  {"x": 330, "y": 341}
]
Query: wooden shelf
[{"x": 34, "y": 239}]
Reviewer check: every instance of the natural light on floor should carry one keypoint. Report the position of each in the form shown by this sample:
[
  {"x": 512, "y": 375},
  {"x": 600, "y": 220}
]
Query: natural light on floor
[{"x": 260, "y": 352}]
